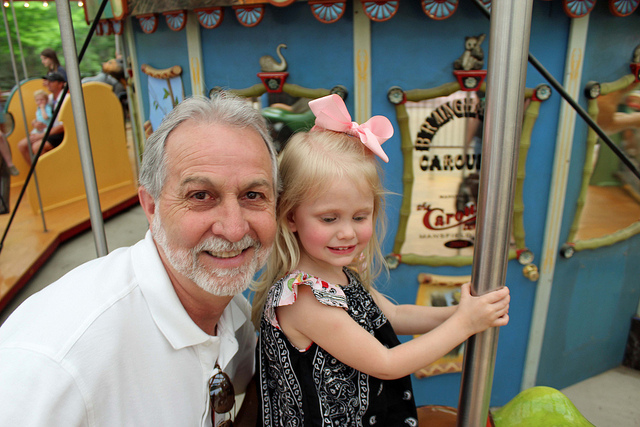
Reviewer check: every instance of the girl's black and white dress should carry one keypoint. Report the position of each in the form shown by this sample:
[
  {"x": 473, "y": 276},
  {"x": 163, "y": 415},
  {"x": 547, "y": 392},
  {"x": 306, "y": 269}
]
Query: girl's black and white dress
[{"x": 312, "y": 388}]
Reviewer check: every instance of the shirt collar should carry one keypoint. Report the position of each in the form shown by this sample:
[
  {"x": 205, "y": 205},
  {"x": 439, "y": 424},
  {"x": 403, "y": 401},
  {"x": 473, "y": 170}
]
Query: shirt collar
[{"x": 167, "y": 310}]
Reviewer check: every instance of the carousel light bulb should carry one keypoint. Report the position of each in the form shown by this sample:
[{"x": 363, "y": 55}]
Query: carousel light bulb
[
  {"x": 80, "y": 4},
  {"x": 45, "y": 3},
  {"x": 26, "y": 4},
  {"x": 6, "y": 4}
]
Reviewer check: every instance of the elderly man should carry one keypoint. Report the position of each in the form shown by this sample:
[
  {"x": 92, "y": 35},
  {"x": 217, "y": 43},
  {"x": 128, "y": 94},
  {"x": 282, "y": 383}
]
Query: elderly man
[{"x": 142, "y": 336}]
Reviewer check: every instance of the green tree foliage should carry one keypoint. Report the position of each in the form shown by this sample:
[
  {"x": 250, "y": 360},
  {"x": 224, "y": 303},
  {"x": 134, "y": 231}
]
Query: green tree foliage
[{"x": 39, "y": 29}]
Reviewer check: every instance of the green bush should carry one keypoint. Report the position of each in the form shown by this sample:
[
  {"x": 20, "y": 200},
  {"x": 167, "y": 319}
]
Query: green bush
[{"x": 39, "y": 29}]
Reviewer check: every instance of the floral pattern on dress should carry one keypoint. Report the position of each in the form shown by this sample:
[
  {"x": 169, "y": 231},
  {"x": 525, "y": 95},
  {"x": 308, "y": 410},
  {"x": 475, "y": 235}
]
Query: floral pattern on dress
[
  {"x": 313, "y": 388},
  {"x": 325, "y": 292}
]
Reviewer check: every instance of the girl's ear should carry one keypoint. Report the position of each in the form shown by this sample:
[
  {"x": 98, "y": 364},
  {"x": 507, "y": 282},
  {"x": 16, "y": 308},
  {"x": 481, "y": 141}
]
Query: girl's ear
[{"x": 291, "y": 222}]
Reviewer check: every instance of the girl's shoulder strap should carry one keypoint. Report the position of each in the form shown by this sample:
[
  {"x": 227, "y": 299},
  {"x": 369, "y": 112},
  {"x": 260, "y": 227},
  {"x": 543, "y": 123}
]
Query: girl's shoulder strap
[{"x": 285, "y": 292}]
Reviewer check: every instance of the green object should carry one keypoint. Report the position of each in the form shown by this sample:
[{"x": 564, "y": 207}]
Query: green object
[
  {"x": 295, "y": 121},
  {"x": 537, "y": 407},
  {"x": 608, "y": 165}
]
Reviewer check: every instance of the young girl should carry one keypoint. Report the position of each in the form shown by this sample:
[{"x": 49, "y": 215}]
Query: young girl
[
  {"x": 49, "y": 59},
  {"x": 43, "y": 111},
  {"x": 328, "y": 353}
]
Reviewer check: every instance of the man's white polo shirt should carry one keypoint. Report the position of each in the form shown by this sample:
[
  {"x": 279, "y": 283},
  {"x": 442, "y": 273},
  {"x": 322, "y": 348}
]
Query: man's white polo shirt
[{"x": 110, "y": 344}]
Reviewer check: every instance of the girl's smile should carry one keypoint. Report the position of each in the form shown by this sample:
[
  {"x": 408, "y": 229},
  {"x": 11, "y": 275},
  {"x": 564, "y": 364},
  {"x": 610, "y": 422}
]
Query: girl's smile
[{"x": 333, "y": 228}]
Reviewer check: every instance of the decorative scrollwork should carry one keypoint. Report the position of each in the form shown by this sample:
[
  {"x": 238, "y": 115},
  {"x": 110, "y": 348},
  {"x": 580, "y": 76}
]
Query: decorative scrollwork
[
  {"x": 396, "y": 95},
  {"x": 249, "y": 16},
  {"x": 107, "y": 29},
  {"x": 327, "y": 12},
  {"x": 623, "y": 7},
  {"x": 578, "y": 8},
  {"x": 380, "y": 11},
  {"x": 439, "y": 9},
  {"x": 486, "y": 3},
  {"x": 210, "y": 17},
  {"x": 148, "y": 22},
  {"x": 117, "y": 26},
  {"x": 176, "y": 20},
  {"x": 541, "y": 93}
]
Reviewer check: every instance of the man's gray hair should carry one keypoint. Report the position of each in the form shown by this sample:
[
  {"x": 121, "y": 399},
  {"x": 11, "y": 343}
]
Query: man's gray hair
[{"x": 222, "y": 108}]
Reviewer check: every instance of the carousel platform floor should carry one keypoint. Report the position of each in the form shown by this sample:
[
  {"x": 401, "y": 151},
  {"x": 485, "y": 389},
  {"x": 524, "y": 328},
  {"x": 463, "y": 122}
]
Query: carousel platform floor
[
  {"x": 608, "y": 399},
  {"x": 28, "y": 246}
]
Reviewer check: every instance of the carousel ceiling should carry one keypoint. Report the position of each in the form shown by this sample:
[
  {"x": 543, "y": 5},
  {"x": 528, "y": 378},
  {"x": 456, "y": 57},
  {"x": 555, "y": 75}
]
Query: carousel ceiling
[{"x": 249, "y": 13}]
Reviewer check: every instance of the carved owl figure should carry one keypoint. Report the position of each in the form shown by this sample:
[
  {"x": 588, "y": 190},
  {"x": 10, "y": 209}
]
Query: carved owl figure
[{"x": 473, "y": 56}]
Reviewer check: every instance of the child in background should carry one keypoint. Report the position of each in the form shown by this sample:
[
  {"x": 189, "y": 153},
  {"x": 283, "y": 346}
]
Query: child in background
[
  {"x": 43, "y": 112},
  {"x": 50, "y": 60},
  {"x": 328, "y": 353}
]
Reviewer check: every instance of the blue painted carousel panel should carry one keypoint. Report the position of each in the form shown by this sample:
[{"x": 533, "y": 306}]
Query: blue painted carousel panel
[{"x": 234, "y": 64}]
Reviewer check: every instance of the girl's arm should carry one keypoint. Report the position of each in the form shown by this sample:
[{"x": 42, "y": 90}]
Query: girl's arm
[
  {"x": 46, "y": 112},
  {"x": 410, "y": 319},
  {"x": 308, "y": 320}
]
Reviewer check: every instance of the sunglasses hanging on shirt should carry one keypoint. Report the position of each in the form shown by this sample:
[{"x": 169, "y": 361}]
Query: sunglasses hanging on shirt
[{"x": 221, "y": 396}]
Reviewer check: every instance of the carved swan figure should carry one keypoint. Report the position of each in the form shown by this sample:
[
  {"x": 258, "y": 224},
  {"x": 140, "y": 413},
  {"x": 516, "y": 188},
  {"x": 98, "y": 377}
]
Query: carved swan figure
[{"x": 268, "y": 64}]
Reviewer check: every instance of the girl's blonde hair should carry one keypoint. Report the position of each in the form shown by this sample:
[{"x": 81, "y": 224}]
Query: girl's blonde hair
[
  {"x": 40, "y": 93},
  {"x": 308, "y": 165}
]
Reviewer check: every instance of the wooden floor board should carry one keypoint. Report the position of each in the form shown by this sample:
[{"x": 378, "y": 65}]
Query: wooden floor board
[
  {"x": 606, "y": 210},
  {"x": 27, "y": 245}
]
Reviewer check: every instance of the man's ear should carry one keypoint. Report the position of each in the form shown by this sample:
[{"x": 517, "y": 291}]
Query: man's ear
[{"x": 147, "y": 203}]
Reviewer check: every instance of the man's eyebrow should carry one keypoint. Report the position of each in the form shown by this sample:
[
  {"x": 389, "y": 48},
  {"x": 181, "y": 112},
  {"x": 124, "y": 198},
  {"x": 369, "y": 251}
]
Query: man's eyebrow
[
  {"x": 259, "y": 182},
  {"x": 195, "y": 179}
]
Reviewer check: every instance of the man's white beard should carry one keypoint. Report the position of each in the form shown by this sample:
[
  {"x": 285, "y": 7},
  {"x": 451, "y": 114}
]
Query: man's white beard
[{"x": 217, "y": 281}]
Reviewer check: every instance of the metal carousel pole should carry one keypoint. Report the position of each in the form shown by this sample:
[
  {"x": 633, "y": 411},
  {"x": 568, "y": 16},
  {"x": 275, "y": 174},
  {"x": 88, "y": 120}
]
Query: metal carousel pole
[
  {"x": 82, "y": 128},
  {"x": 24, "y": 116},
  {"x": 506, "y": 72}
]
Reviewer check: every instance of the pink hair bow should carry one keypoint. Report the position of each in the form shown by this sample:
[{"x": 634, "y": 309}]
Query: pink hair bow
[{"x": 332, "y": 114}]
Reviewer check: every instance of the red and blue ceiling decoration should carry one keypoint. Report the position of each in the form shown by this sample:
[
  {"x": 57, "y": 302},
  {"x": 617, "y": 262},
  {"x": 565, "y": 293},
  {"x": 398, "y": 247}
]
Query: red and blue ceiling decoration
[{"x": 249, "y": 13}]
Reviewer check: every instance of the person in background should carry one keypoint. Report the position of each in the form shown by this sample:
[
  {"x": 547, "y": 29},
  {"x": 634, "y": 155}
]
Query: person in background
[
  {"x": 43, "y": 112},
  {"x": 50, "y": 60},
  {"x": 328, "y": 353},
  {"x": 55, "y": 82},
  {"x": 157, "y": 334}
]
